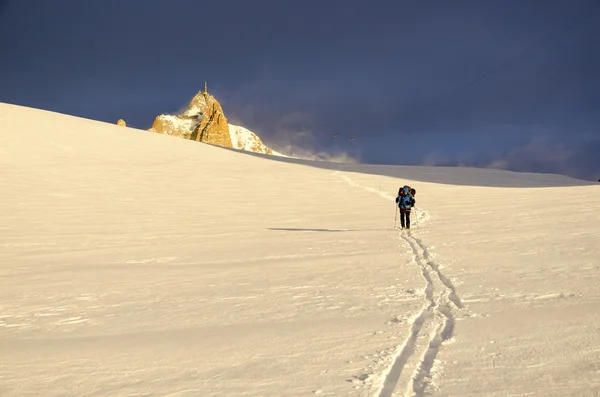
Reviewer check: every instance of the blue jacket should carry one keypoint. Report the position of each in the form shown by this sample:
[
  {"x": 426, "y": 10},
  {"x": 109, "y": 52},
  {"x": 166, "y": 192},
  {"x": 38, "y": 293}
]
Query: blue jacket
[{"x": 405, "y": 200}]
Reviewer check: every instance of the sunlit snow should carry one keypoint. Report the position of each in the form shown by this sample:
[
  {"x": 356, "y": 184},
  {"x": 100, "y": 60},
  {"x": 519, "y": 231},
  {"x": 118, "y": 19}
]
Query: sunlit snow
[{"x": 139, "y": 264}]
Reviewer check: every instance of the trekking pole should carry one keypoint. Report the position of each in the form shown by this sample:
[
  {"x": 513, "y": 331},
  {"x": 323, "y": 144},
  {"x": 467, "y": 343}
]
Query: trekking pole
[{"x": 395, "y": 216}]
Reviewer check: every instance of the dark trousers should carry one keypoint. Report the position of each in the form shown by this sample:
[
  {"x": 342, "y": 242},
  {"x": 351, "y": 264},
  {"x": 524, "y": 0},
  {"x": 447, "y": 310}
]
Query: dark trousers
[{"x": 405, "y": 214}]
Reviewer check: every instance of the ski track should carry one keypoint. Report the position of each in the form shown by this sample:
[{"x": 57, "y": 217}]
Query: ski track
[
  {"x": 401, "y": 358},
  {"x": 442, "y": 314},
  {"x": 440, "y": 310},
  {"x": 422, "y": 375},
  {"x": 452, "y": 295}
]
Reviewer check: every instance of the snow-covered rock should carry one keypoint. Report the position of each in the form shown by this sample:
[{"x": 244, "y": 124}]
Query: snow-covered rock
[{"x": 244, "y": 139}]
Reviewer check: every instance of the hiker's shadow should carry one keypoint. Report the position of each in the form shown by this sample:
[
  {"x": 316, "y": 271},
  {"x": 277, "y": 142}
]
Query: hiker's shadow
[{"x": 295, "y": 229}]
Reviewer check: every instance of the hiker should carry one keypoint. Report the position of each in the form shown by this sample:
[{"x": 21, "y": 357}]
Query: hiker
[{"x": 405, "y": 201}]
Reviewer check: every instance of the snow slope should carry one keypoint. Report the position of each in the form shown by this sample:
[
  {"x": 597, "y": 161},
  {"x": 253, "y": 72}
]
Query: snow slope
[{"x": 143, "y": 264}]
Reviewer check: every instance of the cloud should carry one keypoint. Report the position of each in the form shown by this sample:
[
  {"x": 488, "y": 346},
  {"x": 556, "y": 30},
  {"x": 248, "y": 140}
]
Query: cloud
[
  {"x": 542, "y": 154},
  {"x": 292, "y": 134},
  {"x": 306, "y": 154}
]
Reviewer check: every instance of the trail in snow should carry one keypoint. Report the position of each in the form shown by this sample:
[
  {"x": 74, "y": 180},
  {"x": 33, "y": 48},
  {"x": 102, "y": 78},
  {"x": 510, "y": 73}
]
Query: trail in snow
[
  {"x": 420, "y": 216},
  {"x": 407, "y": 350},
  {"x": 422, "y": 375},
  {"x": 443, "y": 316},
  {"x": 403, "y": 354},
  {"x": 440, "y": 310},
  {"x": 377, "y": 191},
  {"x": 443, "y": 279}
]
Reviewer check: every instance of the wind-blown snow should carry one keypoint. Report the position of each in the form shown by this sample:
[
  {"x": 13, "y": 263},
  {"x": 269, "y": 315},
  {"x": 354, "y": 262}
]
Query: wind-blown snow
[
  {"x": 142, "y": 264},
  {"x": 244, "y": 139}
]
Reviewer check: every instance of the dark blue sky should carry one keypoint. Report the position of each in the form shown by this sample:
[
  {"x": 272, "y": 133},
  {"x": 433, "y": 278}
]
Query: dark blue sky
[{"x": 511, "y": 84}]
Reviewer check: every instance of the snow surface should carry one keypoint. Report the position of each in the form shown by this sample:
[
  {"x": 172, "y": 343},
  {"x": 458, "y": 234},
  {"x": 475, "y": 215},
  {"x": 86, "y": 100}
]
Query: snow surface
[{"x": 137, "y": 264}]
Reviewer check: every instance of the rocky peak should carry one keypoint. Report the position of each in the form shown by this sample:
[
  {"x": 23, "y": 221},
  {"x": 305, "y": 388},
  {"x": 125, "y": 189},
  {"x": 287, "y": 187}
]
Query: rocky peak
[{"x": 202, "y": 121}]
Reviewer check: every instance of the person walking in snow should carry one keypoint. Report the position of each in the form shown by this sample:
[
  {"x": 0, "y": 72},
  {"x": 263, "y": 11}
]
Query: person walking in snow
[{"x": 405, "y": 201}]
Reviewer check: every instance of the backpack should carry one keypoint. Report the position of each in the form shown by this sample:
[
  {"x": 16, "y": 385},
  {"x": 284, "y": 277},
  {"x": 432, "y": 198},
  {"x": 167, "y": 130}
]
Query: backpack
[
  {"x": 404, "y": 202},
  {"x": 412, "y": 191}
]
